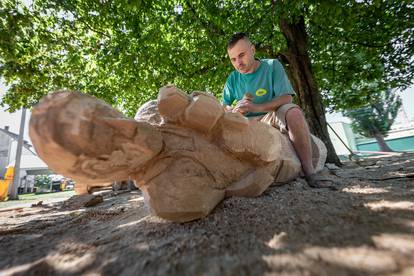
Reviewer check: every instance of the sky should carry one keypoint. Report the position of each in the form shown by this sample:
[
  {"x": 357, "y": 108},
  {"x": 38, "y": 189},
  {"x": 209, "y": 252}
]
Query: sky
[{"x": 13, "y": 119}]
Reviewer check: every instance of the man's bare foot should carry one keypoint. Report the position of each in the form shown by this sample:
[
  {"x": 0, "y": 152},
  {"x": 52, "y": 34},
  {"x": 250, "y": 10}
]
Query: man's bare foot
[{"x": 319, "y": 181}]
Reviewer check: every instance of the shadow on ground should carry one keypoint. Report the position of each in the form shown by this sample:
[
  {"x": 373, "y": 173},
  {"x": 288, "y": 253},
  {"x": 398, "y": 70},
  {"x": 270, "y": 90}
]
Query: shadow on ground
[{"x": 366, "y": 227}]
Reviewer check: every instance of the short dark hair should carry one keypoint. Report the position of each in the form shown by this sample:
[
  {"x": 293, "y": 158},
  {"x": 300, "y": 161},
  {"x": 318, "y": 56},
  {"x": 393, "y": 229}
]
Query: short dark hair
[{"x": 235, "y": 38}]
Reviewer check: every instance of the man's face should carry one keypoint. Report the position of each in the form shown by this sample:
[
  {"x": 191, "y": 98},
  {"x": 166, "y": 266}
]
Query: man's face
[{"x": 242, "y": 56}]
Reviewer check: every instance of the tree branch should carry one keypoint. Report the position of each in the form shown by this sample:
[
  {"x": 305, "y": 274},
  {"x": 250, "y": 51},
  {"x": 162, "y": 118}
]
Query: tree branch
[
  {"x": 211, "y": 27},
  {"x": 368, "y": 45},
  {"x": 91, "y": 28}
]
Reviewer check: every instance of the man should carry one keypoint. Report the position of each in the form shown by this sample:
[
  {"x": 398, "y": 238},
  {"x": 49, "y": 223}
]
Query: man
[{"x": 263, "y": 92}]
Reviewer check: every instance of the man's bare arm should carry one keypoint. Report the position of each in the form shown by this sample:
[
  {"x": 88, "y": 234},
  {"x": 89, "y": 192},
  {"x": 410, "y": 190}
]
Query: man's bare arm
[{"x": 248, "y": 106}]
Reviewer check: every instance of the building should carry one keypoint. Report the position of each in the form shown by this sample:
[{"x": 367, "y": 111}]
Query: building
[
  {"x": 8, "y": 147},
  {"x": 342, "y": 137},
  {"x": 399, "y": 138},
  {"x": 30, "y": 163}
]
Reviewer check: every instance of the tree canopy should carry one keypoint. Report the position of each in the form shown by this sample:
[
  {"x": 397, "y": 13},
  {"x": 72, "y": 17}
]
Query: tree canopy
[
  {"x": 123, "y": 51},
  {"x": 375, "y": 118},
  {"x": 361, "y": 48}
]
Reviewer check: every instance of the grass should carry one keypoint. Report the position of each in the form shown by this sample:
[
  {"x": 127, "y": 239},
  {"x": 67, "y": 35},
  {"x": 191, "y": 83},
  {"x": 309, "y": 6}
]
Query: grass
[{"x": 28, "y": 199}]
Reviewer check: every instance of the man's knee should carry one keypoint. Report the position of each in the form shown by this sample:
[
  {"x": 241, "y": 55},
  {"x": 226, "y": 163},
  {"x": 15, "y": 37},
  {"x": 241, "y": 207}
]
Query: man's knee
[{"x": 294, "y": 116}]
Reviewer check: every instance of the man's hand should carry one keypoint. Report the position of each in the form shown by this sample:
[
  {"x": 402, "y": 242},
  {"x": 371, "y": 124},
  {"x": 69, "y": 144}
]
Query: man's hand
[
  {"x": 228, "y": 108},
  {"x": 245, "y": 106}
]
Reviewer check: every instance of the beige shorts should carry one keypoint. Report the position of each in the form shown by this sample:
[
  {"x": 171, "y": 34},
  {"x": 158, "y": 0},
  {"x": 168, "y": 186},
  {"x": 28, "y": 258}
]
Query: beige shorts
[{"x": 277, "y": 118}]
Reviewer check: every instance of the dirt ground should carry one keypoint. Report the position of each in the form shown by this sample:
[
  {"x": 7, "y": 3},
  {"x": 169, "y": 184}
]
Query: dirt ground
[{"x": 365, "y": 227}]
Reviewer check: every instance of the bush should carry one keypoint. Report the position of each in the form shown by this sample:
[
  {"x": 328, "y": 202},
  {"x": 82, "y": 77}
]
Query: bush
[{"x": 43, "y": 183}]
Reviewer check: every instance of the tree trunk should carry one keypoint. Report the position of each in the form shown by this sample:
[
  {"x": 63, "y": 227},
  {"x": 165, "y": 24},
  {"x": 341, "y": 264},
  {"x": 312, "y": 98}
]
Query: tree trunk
[
  {"x": 381, "y": 142},
  {"x": 300, "y": 73}
]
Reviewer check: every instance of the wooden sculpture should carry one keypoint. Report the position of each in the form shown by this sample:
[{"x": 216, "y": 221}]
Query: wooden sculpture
[{"x": 184, "y": 152}]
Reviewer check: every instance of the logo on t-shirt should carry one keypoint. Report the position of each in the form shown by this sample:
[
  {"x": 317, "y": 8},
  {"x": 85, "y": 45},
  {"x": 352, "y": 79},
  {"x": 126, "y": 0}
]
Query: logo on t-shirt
[{"x": 261, "y": 92}]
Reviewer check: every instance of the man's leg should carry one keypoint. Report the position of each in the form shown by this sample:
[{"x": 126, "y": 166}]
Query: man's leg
[{"x": 300, "y": 136}]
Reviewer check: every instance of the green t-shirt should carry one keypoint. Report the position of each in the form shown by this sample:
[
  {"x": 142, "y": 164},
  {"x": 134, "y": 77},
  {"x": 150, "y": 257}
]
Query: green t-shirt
[{"x": 269, "y": 81}]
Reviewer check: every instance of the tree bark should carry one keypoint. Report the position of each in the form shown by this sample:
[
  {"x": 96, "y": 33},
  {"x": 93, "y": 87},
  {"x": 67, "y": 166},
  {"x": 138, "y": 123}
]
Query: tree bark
[
  {"x": 300, "y": 73},
  {"x": 381, "y": 142}
]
